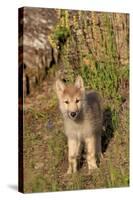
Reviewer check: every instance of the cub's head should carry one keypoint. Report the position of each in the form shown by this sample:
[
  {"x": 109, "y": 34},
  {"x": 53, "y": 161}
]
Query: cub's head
[{"x": 70, "y": 97}]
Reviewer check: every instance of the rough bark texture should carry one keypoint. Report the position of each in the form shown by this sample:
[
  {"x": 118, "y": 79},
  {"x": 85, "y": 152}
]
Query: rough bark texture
[{"x": 94, "y": 37}]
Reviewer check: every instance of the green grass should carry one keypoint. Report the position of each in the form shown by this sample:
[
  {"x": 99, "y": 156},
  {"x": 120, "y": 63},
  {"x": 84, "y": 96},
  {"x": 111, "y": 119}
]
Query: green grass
[
  {"x": 117, "y": 177},
  {"x": 57, "y": 153},
  {"x": 47, "y": 143}
]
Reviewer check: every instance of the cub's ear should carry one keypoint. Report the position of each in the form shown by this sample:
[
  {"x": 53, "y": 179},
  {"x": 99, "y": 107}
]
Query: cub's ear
[
  {"x": 79, "y": 83},
  {"x": 59, "y": 86}
]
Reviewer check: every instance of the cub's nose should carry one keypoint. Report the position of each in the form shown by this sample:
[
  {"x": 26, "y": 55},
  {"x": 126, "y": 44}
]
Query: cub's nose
[{"x": 73, "y": 114}]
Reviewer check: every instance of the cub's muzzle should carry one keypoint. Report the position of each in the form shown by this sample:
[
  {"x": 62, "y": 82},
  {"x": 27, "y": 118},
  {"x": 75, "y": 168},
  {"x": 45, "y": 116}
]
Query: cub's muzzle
[{"x": 73, "y": 115}]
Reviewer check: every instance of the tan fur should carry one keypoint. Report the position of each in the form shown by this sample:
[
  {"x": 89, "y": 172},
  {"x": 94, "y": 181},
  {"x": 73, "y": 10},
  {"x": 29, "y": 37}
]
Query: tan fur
[{"x": 85, "y": 126}]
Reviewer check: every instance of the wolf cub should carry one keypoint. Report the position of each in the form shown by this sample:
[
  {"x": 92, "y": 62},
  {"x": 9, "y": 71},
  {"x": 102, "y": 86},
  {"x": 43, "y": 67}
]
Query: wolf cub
[{"x": 82, "y": 115}]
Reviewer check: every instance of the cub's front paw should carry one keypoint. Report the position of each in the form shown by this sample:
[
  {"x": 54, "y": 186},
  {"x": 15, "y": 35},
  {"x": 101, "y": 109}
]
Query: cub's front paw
[
  {"x": 92, "y": 167},
  {"x": 71, "y": 170}
]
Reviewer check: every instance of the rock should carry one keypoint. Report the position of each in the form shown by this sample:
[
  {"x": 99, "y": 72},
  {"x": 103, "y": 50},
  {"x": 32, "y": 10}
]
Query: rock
[{"x": 35, "y": 51}]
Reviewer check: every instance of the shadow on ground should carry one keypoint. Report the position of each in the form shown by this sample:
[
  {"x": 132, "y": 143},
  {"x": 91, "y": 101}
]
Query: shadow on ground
[
  {"x": 108, "y": 131},
  {"x": 13, "y": 187},
  {"x": 107, "y": 135}
]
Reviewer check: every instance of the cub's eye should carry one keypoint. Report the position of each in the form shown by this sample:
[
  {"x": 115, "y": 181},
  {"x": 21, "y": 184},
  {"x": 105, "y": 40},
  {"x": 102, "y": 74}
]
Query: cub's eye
[
  {"x": 67, "y": 102},
  {"x": 77, "y": 100}
]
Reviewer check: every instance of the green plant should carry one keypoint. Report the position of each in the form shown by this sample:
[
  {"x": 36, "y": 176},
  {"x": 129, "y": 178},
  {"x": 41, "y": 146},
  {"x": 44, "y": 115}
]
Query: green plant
[{"x": 61, "y": 34}]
